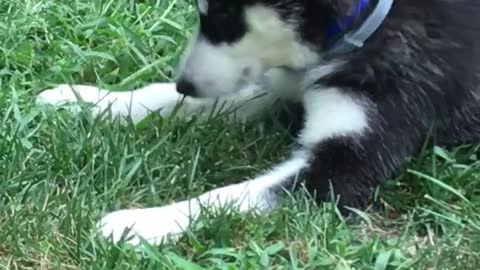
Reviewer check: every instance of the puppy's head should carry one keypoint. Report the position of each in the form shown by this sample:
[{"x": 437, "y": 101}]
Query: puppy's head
[{"x": 237, "y": 41}]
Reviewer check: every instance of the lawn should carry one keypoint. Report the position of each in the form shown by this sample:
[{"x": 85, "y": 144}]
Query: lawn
[{"x": 60, "y": 172}]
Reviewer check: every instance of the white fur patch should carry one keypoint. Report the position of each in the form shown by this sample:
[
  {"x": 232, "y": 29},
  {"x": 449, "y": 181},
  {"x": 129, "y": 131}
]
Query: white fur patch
[
  {"x": 329, "y": 113},
  {"x": 155, "y": 225},
  {"x": 214, "y": 71},
  {"x": 202, "y": 6},
  {"x": 274, "y": 40}
]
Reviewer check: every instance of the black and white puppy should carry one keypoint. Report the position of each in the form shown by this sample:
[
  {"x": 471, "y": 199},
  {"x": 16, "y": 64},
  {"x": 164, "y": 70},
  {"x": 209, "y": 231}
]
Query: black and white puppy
[{"x": 375, "y": 78}]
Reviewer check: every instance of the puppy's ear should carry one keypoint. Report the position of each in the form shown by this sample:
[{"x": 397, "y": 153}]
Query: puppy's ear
[{"x": 202, "y": 6}]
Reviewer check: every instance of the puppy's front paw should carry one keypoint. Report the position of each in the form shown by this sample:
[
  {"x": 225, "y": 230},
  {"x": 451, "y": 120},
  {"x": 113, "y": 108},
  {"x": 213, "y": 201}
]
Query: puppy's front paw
[
  {"x": 153, "y": 225},
  {"x": 64, "y": 94}
]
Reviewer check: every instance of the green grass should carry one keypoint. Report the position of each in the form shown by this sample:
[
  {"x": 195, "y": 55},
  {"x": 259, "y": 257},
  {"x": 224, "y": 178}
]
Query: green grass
[{"x": 59, "y": 173}]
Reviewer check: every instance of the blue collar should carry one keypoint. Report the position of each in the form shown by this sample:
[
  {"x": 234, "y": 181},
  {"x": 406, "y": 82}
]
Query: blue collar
[
  {"x": 339, "y": 26},
  {"x": 352, "y": 40}
]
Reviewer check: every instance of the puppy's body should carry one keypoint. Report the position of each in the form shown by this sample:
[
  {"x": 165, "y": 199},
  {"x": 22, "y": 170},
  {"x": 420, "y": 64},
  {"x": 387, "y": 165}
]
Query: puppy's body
[
  {"x": 420, "y": 72},
  {"x": 366, "y": 111}
]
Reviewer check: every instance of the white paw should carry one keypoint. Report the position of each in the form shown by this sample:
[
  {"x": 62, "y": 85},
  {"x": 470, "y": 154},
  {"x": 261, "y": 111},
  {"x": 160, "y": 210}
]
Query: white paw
[
  {"x": 136, "y": 104},
  {"x": 64, "y": 94},
  {"x": 153, "y": 225},
  {"x": 71, "y": 96}
]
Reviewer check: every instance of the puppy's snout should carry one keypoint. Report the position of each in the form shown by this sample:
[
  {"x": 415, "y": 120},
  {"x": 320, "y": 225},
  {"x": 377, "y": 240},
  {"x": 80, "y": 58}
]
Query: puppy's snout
[{"x": 186, "y": 87}]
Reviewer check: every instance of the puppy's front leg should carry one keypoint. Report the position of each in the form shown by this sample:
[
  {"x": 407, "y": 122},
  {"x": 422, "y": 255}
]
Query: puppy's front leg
[
  {"x": 157, "y": 224},
  {"x": 159, "y": 97},
  {"x": 136, "y": 104}
]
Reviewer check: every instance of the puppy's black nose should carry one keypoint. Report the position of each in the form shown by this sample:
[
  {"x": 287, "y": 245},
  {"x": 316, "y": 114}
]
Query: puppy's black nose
[{"x": 185, "y": 87}]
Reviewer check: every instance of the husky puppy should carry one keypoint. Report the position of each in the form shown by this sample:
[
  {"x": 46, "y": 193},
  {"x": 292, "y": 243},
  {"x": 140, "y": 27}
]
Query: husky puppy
[{"x": 375, "y": 78}]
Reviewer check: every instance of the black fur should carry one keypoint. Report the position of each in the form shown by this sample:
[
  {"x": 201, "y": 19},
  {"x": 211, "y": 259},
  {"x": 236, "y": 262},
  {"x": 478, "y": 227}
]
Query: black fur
[
  {"x": 224, "y": 23},
  {"x": 421, "y": 70}
]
